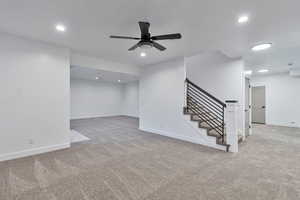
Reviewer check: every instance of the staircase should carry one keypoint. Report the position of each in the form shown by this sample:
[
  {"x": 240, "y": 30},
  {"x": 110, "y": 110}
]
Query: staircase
[{"x": 207, "y": 110}]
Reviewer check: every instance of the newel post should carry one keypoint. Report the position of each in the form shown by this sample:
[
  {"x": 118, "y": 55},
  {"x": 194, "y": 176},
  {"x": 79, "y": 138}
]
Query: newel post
[
  {"x": 231, "y": 121},
  {"x": 185, "y": 93}
]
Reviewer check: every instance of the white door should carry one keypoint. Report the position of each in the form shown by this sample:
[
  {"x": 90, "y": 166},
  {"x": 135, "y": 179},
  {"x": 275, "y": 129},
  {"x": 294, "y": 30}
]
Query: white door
[
  {"x": 259, "y": 104},
  {"x": 247, "y": 106}
]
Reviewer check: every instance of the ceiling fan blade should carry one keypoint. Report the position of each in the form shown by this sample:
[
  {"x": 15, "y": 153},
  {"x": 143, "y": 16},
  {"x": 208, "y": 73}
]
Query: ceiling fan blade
[
  {"x": 124, "y": 37},
  {"x": 134, "y": 47},
  {"x": 159, "y": 46},
  {"x": 144, "y": 26},
  {"x": 167, "y": 37}
]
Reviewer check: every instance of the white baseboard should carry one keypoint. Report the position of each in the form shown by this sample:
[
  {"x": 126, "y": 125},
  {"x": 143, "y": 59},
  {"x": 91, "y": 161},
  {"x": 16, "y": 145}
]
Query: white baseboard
[
  {"x": 93, "y": 116},
  {"x": 284, "y": 125},
  {"x": 31, "y": 152},
  {"x": 132, "y": 116},
  {"x": 96, "y": 116},
  {"x": 182, "y": 137}
]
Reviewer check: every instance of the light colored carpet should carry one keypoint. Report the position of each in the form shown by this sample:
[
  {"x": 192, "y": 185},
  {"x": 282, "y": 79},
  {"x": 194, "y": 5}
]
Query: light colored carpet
[
  {"x": 122, "y": 163},
  {"x": 78, "y": 137}
]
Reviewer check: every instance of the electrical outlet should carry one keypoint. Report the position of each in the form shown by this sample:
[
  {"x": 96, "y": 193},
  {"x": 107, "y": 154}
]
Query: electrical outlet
[{"x": 31, "y": 142}]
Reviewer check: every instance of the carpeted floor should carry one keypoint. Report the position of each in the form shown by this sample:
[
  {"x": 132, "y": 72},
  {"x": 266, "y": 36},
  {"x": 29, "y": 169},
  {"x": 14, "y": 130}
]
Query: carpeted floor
[{"x": 122, "y": 163}]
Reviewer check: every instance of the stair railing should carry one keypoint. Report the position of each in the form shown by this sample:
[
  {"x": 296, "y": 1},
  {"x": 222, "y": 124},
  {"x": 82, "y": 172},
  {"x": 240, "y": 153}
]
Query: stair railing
[{"x": 206, "y": 107}]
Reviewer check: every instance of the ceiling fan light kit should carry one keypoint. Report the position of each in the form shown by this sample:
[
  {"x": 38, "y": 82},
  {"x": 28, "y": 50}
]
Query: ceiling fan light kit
[{"x": 146, "y": 40}]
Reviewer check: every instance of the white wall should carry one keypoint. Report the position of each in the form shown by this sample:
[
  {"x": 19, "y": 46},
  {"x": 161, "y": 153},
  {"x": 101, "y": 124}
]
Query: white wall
[
  {"x": 95, "y": 99},
  {"x": 221, "y": 76},
  {"x": 130, "y": 99},
  {"x": 161, "y": 103},
  {"x": 99, "y": 99},
  {"x": 282, "y": 99},
  {"x": 34, "y": 100}
]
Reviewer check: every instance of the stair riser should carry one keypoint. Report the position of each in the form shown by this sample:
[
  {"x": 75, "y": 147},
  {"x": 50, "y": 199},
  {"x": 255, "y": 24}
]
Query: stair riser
[{"x": 218, "y": 138}]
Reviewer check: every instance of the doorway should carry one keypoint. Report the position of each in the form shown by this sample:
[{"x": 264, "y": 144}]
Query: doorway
[{"x": 259, "y": 104}]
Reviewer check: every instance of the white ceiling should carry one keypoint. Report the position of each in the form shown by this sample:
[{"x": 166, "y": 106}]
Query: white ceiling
[
  {"x": 85, "y": 73},
  {"x": 275, "y": 60},
  {"x": 205, "y": 25}
]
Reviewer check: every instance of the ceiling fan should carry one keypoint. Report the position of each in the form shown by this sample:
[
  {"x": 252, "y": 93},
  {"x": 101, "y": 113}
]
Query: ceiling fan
[{"x": 148, "y": 41}]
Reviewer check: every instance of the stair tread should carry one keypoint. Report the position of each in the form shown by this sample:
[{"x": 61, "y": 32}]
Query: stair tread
[
  {"x": 212, "y": 128},
  {"x": 215, "y": 135},
  {"x": 202, "y": 124}
]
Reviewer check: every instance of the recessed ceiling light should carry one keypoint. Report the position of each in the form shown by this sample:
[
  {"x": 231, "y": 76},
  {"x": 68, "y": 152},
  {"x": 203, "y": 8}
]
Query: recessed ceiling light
[
  {"x": 243, "y": 19},
  {"x": 249, "y": 72},
  {"x": 60, "y": 28},
  {"x": 97, "y": 78},
  {"x": 261, "y": 47},
  {"x": 119, "y": 81},
  {"x": 143, "y": 54},
  {"x": 263, "y": 71}
]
